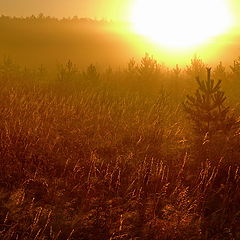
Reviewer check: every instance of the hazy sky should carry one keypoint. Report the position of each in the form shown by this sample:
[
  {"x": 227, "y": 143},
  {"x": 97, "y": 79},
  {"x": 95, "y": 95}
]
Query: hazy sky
[{"x": 108, "y": 9}]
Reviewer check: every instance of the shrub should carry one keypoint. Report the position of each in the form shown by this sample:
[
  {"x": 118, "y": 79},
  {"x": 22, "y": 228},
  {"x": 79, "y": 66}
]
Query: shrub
[{"x": 206, "y": 108}]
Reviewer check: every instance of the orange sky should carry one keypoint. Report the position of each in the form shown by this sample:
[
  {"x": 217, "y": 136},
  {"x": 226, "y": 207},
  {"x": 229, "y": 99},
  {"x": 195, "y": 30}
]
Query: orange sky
[
  {"x": 107, "y": 9},
  {"x": 119, "y": 10}
]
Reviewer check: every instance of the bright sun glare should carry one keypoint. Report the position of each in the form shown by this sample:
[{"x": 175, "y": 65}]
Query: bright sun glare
[{"x": 181, "y": 24}]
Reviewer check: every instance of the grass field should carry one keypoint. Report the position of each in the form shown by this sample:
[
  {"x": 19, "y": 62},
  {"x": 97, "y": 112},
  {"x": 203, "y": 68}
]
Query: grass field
[{"x": 113, "y": 155}]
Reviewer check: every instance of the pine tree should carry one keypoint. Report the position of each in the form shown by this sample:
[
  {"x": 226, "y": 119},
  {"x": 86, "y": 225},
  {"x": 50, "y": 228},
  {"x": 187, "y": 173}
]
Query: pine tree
[
  {"x": 206, "y": 108},
  {"x": 196, "y": 68},
  {"x": 220, "y": 72},
  {"x": 235, "y": 68},
  {"x": 91, "y": 73},
  {"x": 148, "y": 69},
  {"x": 67, "y": 72}
]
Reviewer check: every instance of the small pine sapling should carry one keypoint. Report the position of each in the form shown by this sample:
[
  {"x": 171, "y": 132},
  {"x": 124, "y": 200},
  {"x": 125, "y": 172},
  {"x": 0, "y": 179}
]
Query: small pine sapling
[{"x": 206, "y": 108}]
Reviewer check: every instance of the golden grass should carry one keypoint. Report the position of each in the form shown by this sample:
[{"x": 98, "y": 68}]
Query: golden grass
[{"x": 107, "y": 162}]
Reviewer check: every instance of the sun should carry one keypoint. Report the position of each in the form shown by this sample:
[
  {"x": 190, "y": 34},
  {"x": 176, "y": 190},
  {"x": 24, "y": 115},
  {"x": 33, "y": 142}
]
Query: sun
[{"x": 181, "y": 24}]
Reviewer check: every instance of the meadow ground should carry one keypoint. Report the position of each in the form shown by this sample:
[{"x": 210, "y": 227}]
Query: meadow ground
[{"x": 113, "y": 155}]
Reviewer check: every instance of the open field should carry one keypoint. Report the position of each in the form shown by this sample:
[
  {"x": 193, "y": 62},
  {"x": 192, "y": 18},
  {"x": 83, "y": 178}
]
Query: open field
[{"x": 89, "y": 154}]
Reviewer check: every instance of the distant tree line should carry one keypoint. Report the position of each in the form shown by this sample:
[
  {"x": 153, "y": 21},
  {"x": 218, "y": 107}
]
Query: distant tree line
[{"x": 41, "y": 18}]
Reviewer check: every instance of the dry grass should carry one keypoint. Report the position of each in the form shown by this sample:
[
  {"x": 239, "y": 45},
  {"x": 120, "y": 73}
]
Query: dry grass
[{"x": 107, "y": 162}]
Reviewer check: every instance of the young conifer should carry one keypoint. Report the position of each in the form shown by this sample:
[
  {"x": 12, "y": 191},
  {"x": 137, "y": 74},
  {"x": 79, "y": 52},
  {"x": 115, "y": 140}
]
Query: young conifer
[{"x": 206, "y": 108}]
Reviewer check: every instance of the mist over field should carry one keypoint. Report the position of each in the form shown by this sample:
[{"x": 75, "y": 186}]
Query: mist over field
[
  {"x": 44, "y": 40},
  {"x": 35, "y": 41},
  {"x": 105, "y": 136}
]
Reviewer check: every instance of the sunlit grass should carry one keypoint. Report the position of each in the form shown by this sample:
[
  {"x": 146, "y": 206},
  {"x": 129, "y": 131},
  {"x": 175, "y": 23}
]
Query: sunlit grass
[{"x": 113, "y": 157}]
